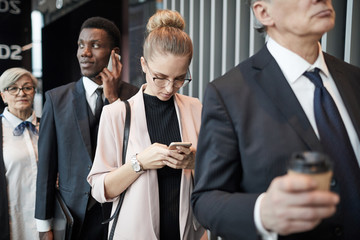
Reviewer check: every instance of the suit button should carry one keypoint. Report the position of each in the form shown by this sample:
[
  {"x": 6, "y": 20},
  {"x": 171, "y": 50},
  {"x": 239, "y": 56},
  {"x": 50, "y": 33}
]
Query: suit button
[
  {"x": 338, "y": 231},
  {"x": 333, "y": 182}
]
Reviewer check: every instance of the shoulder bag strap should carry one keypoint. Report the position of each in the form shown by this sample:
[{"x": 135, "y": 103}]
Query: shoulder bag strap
[{"x": 115, "y": 216}]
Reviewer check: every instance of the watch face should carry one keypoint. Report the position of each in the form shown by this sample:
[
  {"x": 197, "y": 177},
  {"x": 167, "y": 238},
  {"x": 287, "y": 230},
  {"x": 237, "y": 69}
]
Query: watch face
[{"x": 136, "y": 166}]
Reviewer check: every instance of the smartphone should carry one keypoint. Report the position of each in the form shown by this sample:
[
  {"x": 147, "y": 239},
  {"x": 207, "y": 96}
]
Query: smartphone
[
  {"x": 109, "y": 66},
  {"x": 173, "y": 145}
]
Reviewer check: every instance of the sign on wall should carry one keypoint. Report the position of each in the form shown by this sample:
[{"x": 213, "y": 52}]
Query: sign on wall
[{"x": 15, "y": 34}]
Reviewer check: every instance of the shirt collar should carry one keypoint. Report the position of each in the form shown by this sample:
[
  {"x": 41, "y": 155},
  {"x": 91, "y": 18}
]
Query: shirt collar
[
  {"x": 90, "y": 86},
  {"x": 15, "y": 121},
  {"x": 292, "y": 65}
]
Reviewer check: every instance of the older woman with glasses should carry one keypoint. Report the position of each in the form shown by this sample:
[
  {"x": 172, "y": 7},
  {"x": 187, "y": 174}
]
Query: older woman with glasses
[
  {"x": 158, "y": 178},
  {"x": 18, "y": 163}
]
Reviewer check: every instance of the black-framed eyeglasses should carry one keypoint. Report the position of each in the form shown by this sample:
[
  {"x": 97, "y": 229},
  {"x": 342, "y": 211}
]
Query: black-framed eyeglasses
[
  {"x": 164, "y": 82},
  {"x": 16, "y": 90}
]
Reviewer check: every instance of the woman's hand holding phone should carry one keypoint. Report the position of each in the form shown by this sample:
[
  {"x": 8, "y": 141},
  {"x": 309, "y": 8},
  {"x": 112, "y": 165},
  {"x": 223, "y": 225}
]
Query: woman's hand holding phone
[
  {"x": 178, "y": 155},
  {"x": 173, "y": 145},
  {"x": 183, "y": 157}
]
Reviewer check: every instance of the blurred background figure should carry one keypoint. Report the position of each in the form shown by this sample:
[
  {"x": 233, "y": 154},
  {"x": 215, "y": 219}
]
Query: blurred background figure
[{"x": 18, "y": 164}]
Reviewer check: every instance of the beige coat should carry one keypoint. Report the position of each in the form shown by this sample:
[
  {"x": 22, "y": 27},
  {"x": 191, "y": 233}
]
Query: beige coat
[{"x": 139, "y": 215}]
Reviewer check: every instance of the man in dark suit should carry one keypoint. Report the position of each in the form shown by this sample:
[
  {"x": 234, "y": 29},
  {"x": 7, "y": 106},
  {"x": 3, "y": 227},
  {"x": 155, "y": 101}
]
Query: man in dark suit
[
  {"x": 260, "y": 113},
  {"x": 68, "y": 132}
]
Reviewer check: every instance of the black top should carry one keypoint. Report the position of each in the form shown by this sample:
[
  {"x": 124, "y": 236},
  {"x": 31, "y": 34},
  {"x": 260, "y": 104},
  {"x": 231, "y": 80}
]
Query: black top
[{"x": 164, "y": 128}]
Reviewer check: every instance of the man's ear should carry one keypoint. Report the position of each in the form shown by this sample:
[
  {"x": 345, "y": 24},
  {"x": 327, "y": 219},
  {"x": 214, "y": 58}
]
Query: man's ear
[{"x": 261, "y": 11}]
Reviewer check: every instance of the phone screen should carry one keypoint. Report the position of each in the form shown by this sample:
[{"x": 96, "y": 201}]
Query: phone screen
[{"x": 184, "y": 144}]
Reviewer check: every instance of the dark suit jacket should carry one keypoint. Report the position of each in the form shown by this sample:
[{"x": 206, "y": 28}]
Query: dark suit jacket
[
  {"x": 251, "y": 124},
  {"x": 65, "y": 149},
  {"x": 4, "y": 204}
]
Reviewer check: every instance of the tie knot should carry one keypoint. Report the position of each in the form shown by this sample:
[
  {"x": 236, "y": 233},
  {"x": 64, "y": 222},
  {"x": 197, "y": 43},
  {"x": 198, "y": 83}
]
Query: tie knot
[
  {"x": 19, "y": 130},
  {"x": 314, "y": 77},
  {"x": 99, "y": 91}
]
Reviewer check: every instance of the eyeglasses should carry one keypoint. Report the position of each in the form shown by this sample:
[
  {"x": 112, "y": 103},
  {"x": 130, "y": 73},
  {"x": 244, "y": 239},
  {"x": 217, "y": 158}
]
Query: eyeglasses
[
  {"x": 164, "y": 82},
  {"x": 16, "y": 90}
]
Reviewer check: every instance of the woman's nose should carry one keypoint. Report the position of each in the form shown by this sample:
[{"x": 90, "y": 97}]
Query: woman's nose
[
  {"x": 21, "y": 92},
  {"x": 170, "y": 87}
]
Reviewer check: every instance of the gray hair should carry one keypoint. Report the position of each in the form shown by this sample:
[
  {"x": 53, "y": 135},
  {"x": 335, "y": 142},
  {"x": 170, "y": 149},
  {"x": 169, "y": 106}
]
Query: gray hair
[{"x": 10, "y": 77}]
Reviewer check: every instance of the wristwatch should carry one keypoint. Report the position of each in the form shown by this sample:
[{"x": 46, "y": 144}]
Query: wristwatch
[{"x": 136, "y": 164}]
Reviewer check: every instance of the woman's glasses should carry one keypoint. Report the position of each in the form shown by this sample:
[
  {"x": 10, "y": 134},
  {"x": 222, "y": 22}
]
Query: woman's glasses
[
  {"x": 164, "y": 82},
  {"x": 16, "y": 90}
]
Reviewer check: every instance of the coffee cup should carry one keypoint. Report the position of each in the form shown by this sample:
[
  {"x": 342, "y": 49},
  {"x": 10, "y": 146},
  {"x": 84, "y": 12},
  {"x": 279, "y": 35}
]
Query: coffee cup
[{"x": 314, "y": 164}]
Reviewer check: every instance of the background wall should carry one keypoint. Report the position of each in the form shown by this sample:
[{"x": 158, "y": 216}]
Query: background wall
[{"x": 15, "y": 37}]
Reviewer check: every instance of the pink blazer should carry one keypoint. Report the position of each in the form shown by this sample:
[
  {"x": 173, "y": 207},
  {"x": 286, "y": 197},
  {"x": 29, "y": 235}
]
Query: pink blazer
[{"x": 139, "y": 215}]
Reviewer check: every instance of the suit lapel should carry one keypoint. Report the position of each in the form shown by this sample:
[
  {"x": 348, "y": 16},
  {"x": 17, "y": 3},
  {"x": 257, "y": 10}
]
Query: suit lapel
[
  {"x": 278, "y": 90},
  {"x": 80, "y": 111},
  {"x": 349, "y": 89}
]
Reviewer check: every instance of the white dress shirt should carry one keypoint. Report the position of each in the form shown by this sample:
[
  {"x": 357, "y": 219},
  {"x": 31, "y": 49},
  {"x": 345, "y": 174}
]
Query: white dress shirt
[
  {"x": 20, "y": 160},
  {"x": 293, "y": 66},
  {"x": 91, "y": 96}
]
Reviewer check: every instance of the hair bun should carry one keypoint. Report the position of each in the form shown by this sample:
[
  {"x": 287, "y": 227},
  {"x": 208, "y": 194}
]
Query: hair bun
[{"x": 165, "y": 18}]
